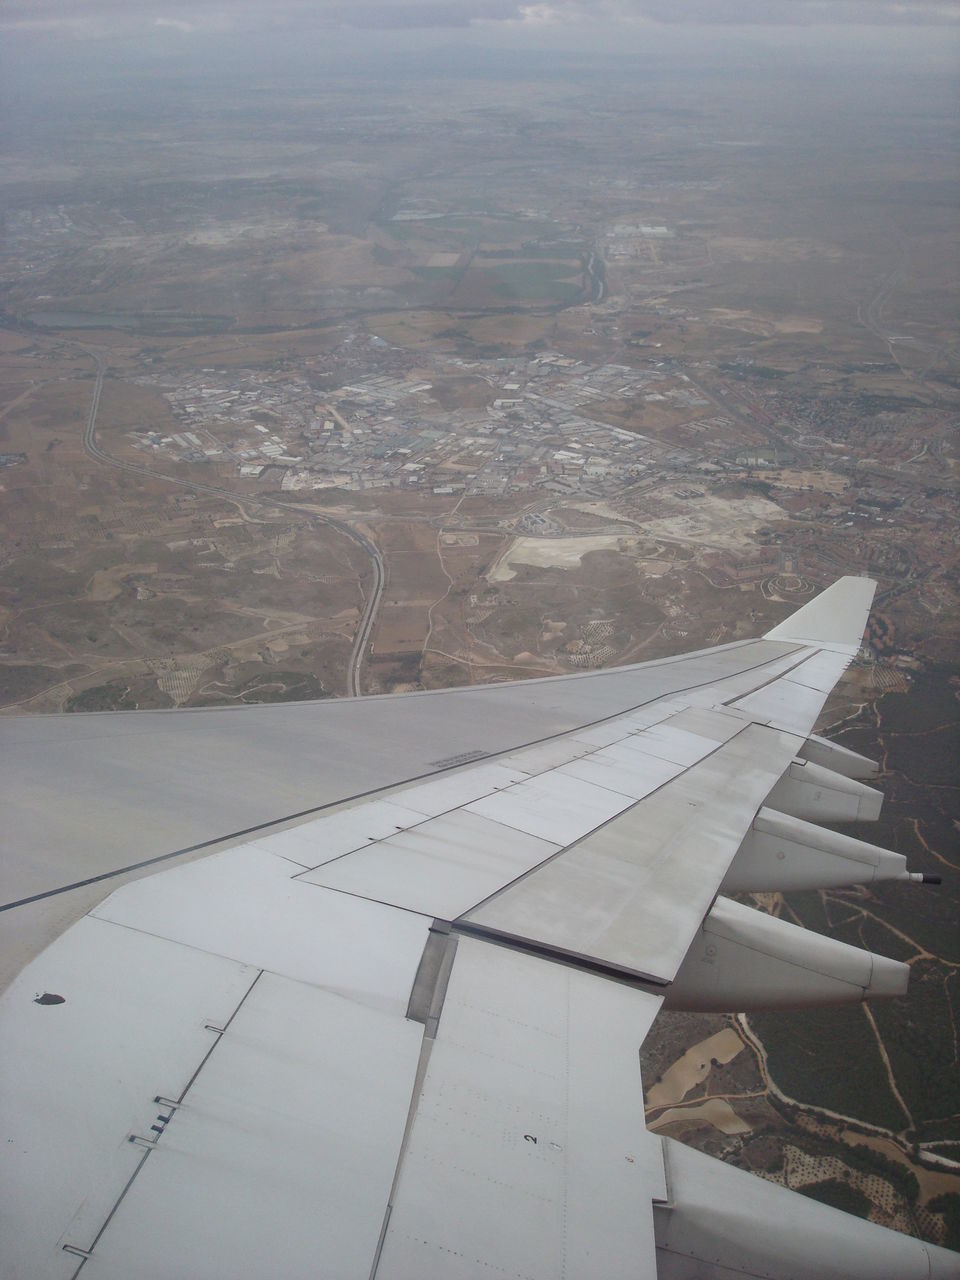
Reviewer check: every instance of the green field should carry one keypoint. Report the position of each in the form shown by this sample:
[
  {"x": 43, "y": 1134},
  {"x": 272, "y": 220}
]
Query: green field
[
  {"x": 537, "y": 279},
  {"x": 829, "y": 1058},
  {"x": 437, "y": 273},
  {"x": 460, "y": 229},
  {"x": 558, "y": 250}
]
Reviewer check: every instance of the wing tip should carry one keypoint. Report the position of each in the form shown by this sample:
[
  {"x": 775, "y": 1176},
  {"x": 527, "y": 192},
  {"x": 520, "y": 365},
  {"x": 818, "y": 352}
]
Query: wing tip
[{"x": 836, "y": 616}]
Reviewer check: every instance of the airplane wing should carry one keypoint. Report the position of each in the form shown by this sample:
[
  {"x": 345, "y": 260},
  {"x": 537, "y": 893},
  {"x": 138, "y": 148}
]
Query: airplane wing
[{"x": 394, "y": 1032}]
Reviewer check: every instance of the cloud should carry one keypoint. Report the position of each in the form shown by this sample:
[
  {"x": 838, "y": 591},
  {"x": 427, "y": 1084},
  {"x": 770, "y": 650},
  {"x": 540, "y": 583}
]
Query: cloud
[
  {"x": 537, "y": 15},
  {"x": 176, "y": 24}
]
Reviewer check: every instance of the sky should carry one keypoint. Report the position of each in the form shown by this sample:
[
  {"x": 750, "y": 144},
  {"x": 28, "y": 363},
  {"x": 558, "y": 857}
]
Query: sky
[
  {"x": 612, "y": 19},
  {"x": 52, "y": 49}
]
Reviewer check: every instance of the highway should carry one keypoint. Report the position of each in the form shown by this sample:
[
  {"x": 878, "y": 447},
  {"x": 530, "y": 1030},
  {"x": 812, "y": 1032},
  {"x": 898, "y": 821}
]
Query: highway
[
  {"x": 365, "y": 626},
  {"x": 367, "y": 618}
]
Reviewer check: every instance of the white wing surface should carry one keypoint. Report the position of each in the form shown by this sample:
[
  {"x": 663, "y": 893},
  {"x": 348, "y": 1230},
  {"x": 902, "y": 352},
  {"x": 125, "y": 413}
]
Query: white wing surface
[{"x": 397, "y": 1035}]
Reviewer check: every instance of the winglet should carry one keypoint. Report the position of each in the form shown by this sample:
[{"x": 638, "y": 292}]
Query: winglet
[{"x": 836, "y": 616}]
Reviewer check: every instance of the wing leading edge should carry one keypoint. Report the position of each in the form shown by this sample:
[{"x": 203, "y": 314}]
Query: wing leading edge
[{"x": 400, "y": 1038}]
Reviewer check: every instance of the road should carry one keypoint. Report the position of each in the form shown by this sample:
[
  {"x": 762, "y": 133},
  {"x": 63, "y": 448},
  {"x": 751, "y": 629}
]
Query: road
[
  {"x": 871, "y": 317},
  {"x": 368, "y": 617},
  {"x": 365, "y": 626}
]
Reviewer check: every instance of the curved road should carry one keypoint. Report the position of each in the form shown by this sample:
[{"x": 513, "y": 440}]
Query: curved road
[
  {"x": 871, "y": 317},
  {"x": 364, "y": 627}
]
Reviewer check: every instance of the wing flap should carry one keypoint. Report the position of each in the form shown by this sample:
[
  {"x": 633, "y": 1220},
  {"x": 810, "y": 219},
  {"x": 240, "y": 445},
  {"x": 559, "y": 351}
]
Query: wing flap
[
  {"x": 527, "y": 1153},
  {"x": 632, "y": 894},
  {"x": 79, "y": 1075},
  {"x": 282, "y": 1154}
]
